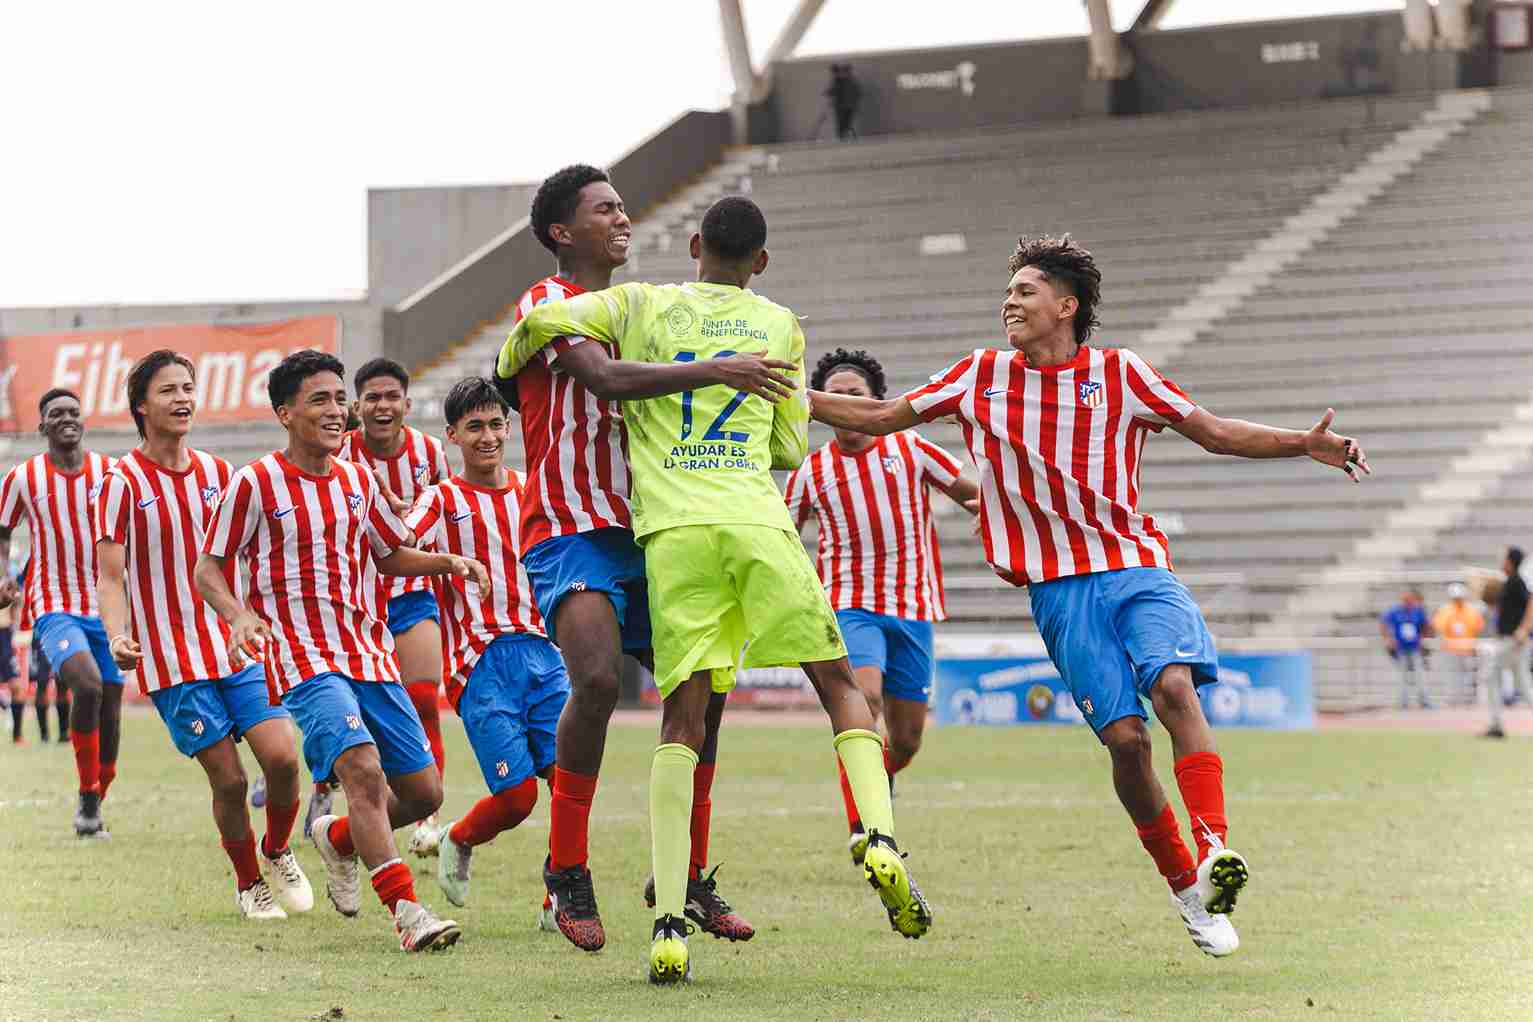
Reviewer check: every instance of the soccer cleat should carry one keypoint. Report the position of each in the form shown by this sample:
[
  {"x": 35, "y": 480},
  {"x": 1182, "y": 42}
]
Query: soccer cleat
[
  {"x": 425, "y": 839},
  {"x": 342, "y": 887},
  {"x": 707, "y": 908},
  {"x": 1213, "y": 934},
  {"x": 884, "y": 868},
  {"x": 572, "y": 900},
  {"x": 668, "y": 958},
  {"x": 1221, "y": 877},
  {"x": 857, "y": 844},
  {"x": 88, "y": 822},
  {"x": 255, "y": 902},
  {"x": 320, "y": 804},
  {"x": 452, "y": 868},
  {"x": 1495, "y": 731},
  {"x": 420, "y": 930},
  {"x": 258, "y": 793},
  {"x": 291, "y": 886}
]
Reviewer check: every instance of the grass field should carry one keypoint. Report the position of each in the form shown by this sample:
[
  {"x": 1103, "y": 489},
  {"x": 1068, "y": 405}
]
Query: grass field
[{"x": 1391, "y": 881}]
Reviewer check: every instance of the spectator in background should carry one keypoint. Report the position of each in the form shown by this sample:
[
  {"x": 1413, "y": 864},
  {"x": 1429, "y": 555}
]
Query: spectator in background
[
  {"x": 1403, "y": 627},
  {"x": 1514, "y": 618},
  {"x": 1458, "y": 623},
  {"x": 845, "y": 95}
]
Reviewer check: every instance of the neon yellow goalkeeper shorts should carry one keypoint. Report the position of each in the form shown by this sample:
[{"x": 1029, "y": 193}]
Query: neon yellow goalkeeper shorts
[{"x": 716, "y": 588}]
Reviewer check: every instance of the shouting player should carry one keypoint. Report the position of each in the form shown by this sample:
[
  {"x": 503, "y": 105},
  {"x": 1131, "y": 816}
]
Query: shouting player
[
  {"x": 305, "y": 526},
  {"x": 505, "y": 678},
  {"x": 405, "y": 462},
  {"x": 150, "y": 522},
  {"x": 55, "y": 491},
  {"x": 878, "y": 558},
  {"x": 577, "y": 544},
  {"x": 725, "y": 567},
  {"x": 1056, "y": 428}
]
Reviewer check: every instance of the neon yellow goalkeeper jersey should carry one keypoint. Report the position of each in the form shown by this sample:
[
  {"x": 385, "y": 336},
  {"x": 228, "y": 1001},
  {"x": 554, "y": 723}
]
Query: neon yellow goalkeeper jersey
[{"x": 701, "y": 457}]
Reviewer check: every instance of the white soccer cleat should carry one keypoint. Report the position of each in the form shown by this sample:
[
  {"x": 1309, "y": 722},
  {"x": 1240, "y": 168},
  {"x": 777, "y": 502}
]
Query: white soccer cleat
[
  {"x": 426, "y": 839},
  {"x": 341, "y": 870},
  {"x": 255, "y": 902},
  {"x": 545, "y": 921},
  {"x": 1221, "y": 878},
  {"x": 453, "y": 869},
  {"x": 420, "y": 930},
  {"x": 289, "y": 884},
  {"x": 1214, "y": 934}
]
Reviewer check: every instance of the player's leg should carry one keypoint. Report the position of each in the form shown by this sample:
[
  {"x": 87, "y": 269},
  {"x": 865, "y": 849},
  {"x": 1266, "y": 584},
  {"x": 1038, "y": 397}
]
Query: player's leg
[
  {"x": 683, "y": 729},
  {"x": 70, "y": 659},
  {"x": 867, "y": 649},
  {"x": 18, "y": 692},
  {"x": 906, "y": 690},
  {"x": 1521, "y": 680},
  {"x": 268, "y": 731},
  {"x": 40, "y": 684},
  {"x": 1496, "y": 666},
  {"x": 111, "y": 697},
  {"x": 418, "y": 648}
]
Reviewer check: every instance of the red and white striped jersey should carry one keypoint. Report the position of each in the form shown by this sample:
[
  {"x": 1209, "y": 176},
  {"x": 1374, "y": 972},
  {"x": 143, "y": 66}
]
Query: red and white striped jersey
[
  {"x": 577, "y": 448},
  {"x": 160, "y": 517},
  {"x": 308, "y": 542},
  {"x": 457, "y": 517},
  {"x": 878, "y": 545},
  {"x": 1057, "y": 450},
  {"x": 421, "y": 462},
  {"x": 57, "y": 506}
]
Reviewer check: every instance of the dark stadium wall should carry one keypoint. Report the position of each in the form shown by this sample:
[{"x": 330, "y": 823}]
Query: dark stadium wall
[{"x": 415, "y": 234}]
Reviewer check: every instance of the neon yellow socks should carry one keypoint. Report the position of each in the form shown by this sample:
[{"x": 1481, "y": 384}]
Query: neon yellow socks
[
  {"x": 670, "y": 824},
  {"x": 862, "y": 757}
]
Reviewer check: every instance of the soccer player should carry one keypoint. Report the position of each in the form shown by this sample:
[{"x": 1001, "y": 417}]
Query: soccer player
[
  {"x": 577, "y": 543},
  {"x": 1055, "y": 428},
  {"x": 305, "y": 525},
  {"x": 12, "y": 685},
  {"x": 150, "y": 521},
  {"x": 405, "y": 462},
  {"x": 879, "y": 560},
  {"x": 55, "y": 491},
  {"x": 725, "y": 567},
  {"x": 506, "y": 680}
]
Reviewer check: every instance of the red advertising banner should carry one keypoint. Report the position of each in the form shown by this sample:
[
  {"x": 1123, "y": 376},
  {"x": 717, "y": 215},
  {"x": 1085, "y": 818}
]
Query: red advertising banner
[{"x": 232, "y": 361}]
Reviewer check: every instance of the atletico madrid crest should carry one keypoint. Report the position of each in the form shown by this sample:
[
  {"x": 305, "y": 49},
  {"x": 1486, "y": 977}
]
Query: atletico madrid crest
[{"x": 1091, "y": 393}]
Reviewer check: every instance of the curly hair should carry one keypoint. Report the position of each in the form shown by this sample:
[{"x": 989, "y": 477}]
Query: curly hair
[
  {"x": 557, "y": 199},
  {"x": 1066, "y": 264},
  {"x": 858, "y": 361},
  {"x": 287, "y": 376},
  {"x": 734, "y": 228}
]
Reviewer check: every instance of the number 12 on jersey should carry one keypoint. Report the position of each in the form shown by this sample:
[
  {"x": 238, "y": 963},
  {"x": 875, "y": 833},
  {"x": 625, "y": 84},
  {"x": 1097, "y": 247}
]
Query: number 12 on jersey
[{"x": 715, "y": 430}]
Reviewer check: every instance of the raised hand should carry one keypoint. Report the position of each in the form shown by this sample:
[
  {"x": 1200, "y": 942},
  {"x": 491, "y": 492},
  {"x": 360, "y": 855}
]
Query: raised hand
[
  {"x": 754, "y": 373},
  {"x": 1336, "y": 450}
]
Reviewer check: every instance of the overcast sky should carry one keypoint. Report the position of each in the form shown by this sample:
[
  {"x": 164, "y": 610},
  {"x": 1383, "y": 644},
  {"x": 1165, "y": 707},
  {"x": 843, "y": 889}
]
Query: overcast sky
[{"x": 160, "y": 151}]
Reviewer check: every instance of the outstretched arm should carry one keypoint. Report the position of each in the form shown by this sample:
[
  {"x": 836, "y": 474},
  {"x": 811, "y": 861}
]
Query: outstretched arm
[
  {"x": 621, "y": 380},
  {"x": 862, "y": 414},
  {"x": 965, "y": 493},
  {"x": 1253, "y": 440}
]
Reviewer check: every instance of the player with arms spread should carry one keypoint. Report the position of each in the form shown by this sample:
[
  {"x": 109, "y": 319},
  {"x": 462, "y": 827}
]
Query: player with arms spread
[
  {"x": 1055, "y": 428},
  {"x": 878, "y": 559},
  {"x": 305, "y": 525},
  {"x": 150, "y": 522},
  {"x": 577, "y": 542},
  {"x": 404, "y": 461},
  {"x": 54, "y": 491},
  {"x": 726, "y": 570}
]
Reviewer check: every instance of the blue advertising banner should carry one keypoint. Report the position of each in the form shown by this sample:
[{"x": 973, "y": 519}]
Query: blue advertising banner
[{"x": 1265, "y": 690}]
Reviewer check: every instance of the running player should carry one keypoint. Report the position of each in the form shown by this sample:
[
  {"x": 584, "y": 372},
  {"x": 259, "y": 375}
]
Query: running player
[
  {"x": 55, "y": 491},
  {"x": 306, "y": 525},
  {"x": 1056, "y": 428},
  {"x": 878, "y": 558},
  {"x": 577, "y": 544},
  {"x": 150, "y": 522},
  {"x": 405, "y": 462},
  {"x": 12, "y": 685},
  {"x": 505, "y": 678},
  {"x": 724, "y": 564}
]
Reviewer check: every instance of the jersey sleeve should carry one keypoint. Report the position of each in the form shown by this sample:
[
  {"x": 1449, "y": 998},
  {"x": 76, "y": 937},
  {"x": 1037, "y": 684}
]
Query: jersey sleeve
[
  {"x": 424, "y": 519},
  {"x": 13, "y": 497},
  {"x": 942, "y": 396},
  {"x": 440, "y": 469},
  {"x": 938, "y": 467},
  {"x": 1153, "y": 399},
  {"x": 112, "y": 512},
  {"x": 797, "y": 494},
  {"x": 790, "y": 416},
  {"x": 235, "y": 519},
  {"x": 602, "y": 315},
  {"x": 386, "y": 531}
]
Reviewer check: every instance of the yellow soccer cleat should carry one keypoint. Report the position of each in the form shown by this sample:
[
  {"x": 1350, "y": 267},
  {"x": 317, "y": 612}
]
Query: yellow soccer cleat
[
  {"x": 884, "y": 868},
  {"x": 668, "y": 959}
]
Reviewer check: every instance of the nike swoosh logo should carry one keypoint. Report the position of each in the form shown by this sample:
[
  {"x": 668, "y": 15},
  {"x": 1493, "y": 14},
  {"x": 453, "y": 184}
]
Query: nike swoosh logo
[
  {"x": 459, "y": 518},
  {"x": 283, "y": 512},
  {"x": 145, "y": 503},
  {"x": 1186, "y": 652},
  {"x": 993, "y": 391}
]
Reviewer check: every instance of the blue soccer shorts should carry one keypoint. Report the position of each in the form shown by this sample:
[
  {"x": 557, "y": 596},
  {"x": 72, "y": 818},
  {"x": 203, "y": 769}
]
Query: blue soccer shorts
[
  {"x": 60, "y": 636},
  {"x": 510, "y": 708},
  {"x": 200, "y": 714},
  {"x": 1112, "y": 633},
  {"x": 901, "y": 649},
  {"x": 335, "y": 713},
  {"x": 407, "y": 610},
  {"x": 604, "y": 561}
]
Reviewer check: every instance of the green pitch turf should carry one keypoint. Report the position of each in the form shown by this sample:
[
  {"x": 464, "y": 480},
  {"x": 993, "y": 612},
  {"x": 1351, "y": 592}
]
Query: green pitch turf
[{"x": 1393, "y": 879}]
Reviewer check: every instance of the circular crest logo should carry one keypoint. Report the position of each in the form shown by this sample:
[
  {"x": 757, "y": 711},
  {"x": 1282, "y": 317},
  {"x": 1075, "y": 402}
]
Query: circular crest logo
[
  {"x": 680, "y": 319},
  {"x": 1040, "y": 700}
]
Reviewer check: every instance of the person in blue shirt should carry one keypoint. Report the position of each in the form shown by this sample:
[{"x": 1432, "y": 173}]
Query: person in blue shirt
[{"x": 1404, "y": 626}]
